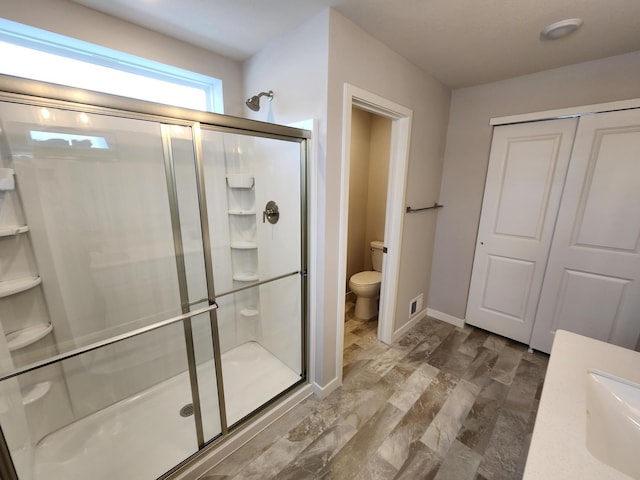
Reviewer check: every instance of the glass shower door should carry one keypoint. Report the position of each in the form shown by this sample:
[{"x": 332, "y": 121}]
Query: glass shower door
[
  {"x": 255, "y": 212},
  {"x": 152, "y": 282},
  {"x": 101, "y": 246}
]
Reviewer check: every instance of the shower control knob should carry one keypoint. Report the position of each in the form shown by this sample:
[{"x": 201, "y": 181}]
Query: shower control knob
[{"x": 271, "y": 212}]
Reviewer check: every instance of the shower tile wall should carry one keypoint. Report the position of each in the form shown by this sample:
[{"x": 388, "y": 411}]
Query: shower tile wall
[
  {"x": 272, "y": 172},
  {"x": 278, "y": 177}
]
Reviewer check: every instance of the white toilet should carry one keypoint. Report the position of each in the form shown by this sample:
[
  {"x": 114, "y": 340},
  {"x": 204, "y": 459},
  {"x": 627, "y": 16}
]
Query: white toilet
[{"x": 366, "y": 285}]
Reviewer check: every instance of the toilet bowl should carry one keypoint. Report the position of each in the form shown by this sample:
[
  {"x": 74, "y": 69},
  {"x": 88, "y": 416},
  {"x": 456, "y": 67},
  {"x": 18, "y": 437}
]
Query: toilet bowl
[{"x": 366, "y": 285}]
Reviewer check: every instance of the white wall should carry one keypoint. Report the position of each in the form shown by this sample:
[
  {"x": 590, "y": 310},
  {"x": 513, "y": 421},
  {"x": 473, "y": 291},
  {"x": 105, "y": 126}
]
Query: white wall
[
  {"x": 467, "y": 154},
  {"x": 73, "y": 20},
  {"x": 357, "y": 58},
  {"x": 307, "y": 69},
  {"x": 294, "y": 66}
]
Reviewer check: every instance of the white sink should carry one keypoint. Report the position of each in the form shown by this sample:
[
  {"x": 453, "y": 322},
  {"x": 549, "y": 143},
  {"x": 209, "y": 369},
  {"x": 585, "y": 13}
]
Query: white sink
[{"x": 613, "y": 421}]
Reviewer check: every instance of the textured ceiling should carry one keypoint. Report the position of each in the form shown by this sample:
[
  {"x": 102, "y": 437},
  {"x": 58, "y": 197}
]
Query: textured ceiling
[{"x": 460, "y": 42}]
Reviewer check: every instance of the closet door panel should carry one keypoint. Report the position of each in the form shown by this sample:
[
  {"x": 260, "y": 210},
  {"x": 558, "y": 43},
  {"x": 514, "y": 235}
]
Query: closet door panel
[
  {"x": 592, "y": 285},
  {"x": 608, "y": 206},
  {"x": 527, "y": 168}
]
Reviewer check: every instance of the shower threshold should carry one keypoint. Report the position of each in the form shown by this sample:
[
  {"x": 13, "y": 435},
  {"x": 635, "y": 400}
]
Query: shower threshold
[{"x": 144, "y": 436}]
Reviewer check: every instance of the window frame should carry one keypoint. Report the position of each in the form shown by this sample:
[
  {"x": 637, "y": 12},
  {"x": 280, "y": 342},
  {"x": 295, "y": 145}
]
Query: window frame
[{"x": 89, "y": 53}]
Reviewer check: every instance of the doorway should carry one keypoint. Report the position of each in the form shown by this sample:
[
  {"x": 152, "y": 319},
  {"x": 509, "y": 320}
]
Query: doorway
[
  {"x": 400, "y": 118},
  {"x": 368, "y": 180}
]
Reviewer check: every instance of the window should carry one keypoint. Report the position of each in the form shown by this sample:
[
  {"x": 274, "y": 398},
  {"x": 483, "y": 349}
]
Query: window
[
  {"x": 62, "y": 139},
  {"x": 40, "y": 55}
]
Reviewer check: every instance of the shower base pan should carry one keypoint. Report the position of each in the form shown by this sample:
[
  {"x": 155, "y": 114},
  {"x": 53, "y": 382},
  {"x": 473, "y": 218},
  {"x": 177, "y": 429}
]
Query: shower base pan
[{"x": 144, "y": 436}]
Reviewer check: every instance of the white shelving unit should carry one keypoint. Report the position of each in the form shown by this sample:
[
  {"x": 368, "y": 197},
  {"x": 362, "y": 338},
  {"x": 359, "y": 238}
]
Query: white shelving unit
[
  {"x": 11, "y": 287},
  {"x": 244, "y": 245},
  {"x": 27, "y": 336},
  {"x": 245, "y": 277},
  {"x": 13, "y": 230},
  {"x": 20, "y": 339},
  {"x": 239, "y": 211},
  {"x": 7, "y": 181},
  {"x": 240, "y": 180},
  {"x": 35, "y": 392},
  {"x": 242, "y": 229},
  {"x": 249, "y": 312}
]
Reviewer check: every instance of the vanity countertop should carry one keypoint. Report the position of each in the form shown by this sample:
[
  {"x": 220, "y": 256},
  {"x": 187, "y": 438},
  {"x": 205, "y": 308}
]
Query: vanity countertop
[{"x": 558, "y": 446}]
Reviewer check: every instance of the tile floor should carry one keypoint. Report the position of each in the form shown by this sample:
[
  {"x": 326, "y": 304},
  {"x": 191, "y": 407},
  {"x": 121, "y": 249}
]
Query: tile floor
[{"x": 444, "y": 403}]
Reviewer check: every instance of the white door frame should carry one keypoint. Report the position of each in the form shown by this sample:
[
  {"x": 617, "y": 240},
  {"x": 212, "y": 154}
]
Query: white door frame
[{"x": 401, "y": 118}]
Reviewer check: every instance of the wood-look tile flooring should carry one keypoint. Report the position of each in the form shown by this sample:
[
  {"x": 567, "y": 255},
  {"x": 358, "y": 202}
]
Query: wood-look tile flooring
[{"x": 443, "y": 403}]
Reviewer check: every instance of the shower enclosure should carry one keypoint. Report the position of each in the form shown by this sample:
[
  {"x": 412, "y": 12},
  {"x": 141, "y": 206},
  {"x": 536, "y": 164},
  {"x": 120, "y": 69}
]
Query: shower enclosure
[{"x": 152, "y": 280}]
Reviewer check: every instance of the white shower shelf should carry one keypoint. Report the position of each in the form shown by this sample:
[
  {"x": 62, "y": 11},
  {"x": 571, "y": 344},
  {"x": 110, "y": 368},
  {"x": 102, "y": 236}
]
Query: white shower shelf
[
  {"x": 244, "y": 245},
  {"x": 13, "y": 230},
  {"x": 7, "y": 182},
  {"x": 27, "y": 336},
  {"x": 249, "y": 312},
  {"x": 238, "y": 211},
  {"x": 35, "y": 392},
  {"x": 11, "y": 287},
  {"x": 240, "y": 180},
  {"x": 246, "y": 277}
]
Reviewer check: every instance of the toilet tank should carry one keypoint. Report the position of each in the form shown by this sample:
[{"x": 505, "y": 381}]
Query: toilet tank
[{"x": 376, "y": 254}]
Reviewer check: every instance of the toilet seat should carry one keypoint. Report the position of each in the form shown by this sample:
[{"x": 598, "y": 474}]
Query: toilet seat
[{"x": 366, "y": 278}]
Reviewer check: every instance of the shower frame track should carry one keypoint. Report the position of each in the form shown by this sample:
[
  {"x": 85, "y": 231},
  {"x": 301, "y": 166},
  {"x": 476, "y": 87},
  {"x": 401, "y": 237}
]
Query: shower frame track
[{"x": 30, "y": 92}]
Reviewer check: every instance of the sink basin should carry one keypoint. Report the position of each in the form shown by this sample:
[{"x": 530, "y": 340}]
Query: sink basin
[{"x": 613, "y": 421}]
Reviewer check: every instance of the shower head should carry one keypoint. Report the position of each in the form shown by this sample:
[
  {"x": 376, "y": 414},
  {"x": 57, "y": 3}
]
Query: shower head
[{"x": 254, "y": 102}]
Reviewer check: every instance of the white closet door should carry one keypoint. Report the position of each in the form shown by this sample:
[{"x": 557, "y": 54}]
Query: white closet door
[
  {"x": 527, "y": 168},
  {"x": 592, "y": 285}
]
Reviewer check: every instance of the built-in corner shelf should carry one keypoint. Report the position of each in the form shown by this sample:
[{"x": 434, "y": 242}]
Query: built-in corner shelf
[
  {"x": 35, "y": 392},
  {"x": 27, "y": 336},
  {"x": 11, "y": 287},
  {"x": 244, "y": 245},
  {"x": 245, "y": 277},
  {"x": 240, "y": 180},
  {"x": 13, "y": 230},
  {"x": 238, "y": 211},
  {"x": 7, "y": 183},
  {"x": 249, "y": 312},
  {"x": 242, "y": 236}
]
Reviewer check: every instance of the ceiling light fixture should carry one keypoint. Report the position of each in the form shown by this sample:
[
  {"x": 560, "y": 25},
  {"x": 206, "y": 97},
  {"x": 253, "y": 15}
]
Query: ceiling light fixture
[{"x": 560, "y": 29}]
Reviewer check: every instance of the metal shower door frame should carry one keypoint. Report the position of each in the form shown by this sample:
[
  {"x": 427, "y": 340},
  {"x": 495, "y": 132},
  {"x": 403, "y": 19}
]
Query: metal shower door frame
[{"x": 273, "y": 132}]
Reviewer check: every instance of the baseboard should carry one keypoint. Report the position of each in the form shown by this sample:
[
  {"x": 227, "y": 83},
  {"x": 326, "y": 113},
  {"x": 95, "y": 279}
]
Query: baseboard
[
  {"x": 210, "y": 457},
  {"x": 405, "y": 328},
  {"x": 445, "y": 317},
  {"x": 324, "y": 392}
]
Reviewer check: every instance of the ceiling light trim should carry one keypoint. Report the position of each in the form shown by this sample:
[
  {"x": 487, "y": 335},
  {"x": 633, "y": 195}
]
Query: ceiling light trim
[{"x": 560, "y": 29}]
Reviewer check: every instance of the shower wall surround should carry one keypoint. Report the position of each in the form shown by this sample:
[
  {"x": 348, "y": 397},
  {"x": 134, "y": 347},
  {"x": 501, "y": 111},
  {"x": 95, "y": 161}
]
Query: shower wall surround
[{"x": 135, "y": 262}]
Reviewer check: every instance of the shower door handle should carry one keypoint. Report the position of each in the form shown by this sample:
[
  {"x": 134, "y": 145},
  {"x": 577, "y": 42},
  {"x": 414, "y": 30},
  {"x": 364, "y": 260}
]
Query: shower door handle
[{"x": 271, "y": 212}]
